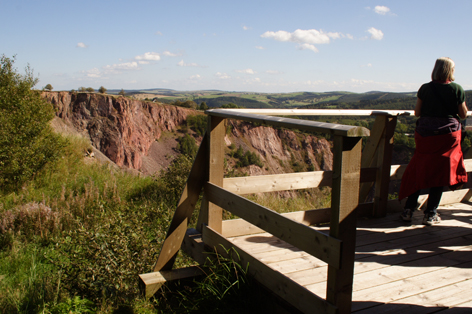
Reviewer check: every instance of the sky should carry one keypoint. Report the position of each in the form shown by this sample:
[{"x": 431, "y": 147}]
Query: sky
[{"x": 245, "y": 46}]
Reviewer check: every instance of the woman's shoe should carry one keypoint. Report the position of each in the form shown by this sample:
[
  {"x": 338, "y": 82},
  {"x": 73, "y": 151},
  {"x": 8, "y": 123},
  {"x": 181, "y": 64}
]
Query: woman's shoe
[
  {"x": 407, "y": 214},
  {"x": 430, "y": 220}
]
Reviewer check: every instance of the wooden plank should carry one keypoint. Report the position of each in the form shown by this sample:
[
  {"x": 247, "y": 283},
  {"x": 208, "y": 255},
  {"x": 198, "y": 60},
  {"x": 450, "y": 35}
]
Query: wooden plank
[
  {"x": 344, "y": 201},
  {"x": 400, "y": 289},
  {"x": 287, "y": 181},
  {"x": 153, "y": 281},
  {"x": 238, "y": 227},
  {"x": 277, "y": 182},
  {"x": 384, "y": 164},
  {"x": 217, "y": 131},
  {"x": 322, "y": 112},
  {"x": 293, "y": 293},
  {"x": 318, "y": 244},
  {"x": 369, "y": 153},
  {"x": 305, "y": 125},
  {"x": 198, "y": 175}
]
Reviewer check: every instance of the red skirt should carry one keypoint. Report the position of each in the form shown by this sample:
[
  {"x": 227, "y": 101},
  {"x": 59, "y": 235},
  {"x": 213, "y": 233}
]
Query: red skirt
[{"x": 437, "y": 161}]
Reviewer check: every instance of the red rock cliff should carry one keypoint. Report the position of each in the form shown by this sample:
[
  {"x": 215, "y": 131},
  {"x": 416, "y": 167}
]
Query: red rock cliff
[{"x": 121, "y": 128}]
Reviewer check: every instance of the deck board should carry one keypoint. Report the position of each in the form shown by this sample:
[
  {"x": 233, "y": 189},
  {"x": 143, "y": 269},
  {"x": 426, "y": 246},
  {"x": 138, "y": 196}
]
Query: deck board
[{"x": 399, "y": 268}]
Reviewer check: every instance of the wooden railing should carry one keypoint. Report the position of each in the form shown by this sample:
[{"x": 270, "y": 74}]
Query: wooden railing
[{"x": 352, "y": 178}]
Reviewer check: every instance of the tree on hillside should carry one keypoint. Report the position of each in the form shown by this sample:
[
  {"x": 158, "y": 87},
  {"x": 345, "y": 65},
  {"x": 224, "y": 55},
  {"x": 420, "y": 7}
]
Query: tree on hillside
[
  {"x": 82, "y": 89},
  {"x": 102, "y": 90},
  {"x": 48, "y": 87},
  {"x": 203, "y": 106},
  {"x": 122, "y": 92},
  {"x": 89, "y": 89},
  {"x": 27, "y": 141}
]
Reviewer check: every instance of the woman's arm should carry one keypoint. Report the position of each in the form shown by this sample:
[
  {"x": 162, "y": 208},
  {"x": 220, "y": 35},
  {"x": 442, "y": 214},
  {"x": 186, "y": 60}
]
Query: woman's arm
[
  {"x": 463, "y": 110},
  {"x": 419, "y": 102}
]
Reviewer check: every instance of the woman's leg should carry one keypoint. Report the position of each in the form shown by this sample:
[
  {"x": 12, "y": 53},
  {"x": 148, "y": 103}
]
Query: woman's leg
[
  {"x": 431, "y": 216},
  {"x": 410, "y": 206},
  {"x": 433, "y": 200}
]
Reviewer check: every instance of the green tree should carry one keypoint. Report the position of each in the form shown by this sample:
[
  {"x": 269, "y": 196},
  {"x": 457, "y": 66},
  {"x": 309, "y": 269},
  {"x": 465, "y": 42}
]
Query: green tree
[
  {"x": 89, "y": 89},
  {"x": 203, "y": 106},
  {"x": 122, "y": 92},
  {"x": 82, "y": 89},
  {"x": 102, "y": 90},
  {"x": 27, "y": 141},
  {"x": 48, "y": 87}
]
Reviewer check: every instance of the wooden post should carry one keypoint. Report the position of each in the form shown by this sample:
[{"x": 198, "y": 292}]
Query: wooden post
[
  {"x": 185, "y": 208},
  {"x": 216, "y": 132},
  {"x": 384, "y": 161},
  {"x": 378, "y": 153},
  {"x": 344, "y": 201}
]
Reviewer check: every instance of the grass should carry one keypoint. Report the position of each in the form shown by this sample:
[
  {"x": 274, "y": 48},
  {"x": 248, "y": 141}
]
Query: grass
[{"x": 75, "y": 239}]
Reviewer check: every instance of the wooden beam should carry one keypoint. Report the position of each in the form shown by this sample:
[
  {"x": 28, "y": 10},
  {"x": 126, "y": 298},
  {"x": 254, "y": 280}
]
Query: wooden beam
[
  {"x": 322, "y": 112},
  {"x": 305, "y": 238},
  {"x": 275, "y": 281},
  {"x": 287, "y": 181},
  {"x": 384, "y": 161},
  {"x": 152, "y": 282},
  {"x": 193, "y": 187},
  {"x": 331, "y": 128},
  {"x": 344, "y": 202},
  {"x": 216, "y": 133}
]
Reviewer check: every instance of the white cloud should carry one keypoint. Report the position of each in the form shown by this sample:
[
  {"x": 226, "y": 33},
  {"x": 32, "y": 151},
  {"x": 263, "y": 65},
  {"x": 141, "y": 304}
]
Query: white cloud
[
  {"x": 246, "y": 71},
  {"x": 260, "y": 47},
  {"x": 183, "y": 64},
  {"x": 195, "y": 77},
  {"x": 158, "y": 33},
  {"x": 304, "y": 38},
  {"x": 222, "y": 76},
  {"x": 273, "y": 72},
  {"x": 307, "y": 47},
  {"x": 126, "y": 66},
  {"x": 149, "y": 56},
  {"x": 95, "y": 73},
  {"x": 382, "y": 10},
  {"x": 376, "y": 34},
  {"x": 170, "y": 54},
  {"x": 81, "y": 45},
  {"x": 246, "y": 27}
]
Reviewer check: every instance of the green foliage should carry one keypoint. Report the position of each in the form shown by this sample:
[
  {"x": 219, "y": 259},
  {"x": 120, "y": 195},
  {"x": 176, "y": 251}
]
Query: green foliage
[
  {"x": 102, "y": 90},
  {"x": 203, "y": 106},
  {"x": 187, "y": 145},
  {"x": 48, "y": 87},
  {"x": 89, "y": 89},
  {"x": 246, "y": 158},
  {"x": 75, "y": 305},
  {"x": 82, "y": 89},
  {"x": 186, "y": 104},
  {"x": 198, "y": 123},
  {"x": 122, "y": 92},
  {"x": 27, "y": 142},
  {"x": 230, "y": 105}
]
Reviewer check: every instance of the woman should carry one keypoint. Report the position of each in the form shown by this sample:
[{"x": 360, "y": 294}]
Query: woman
[{"x": 437, "y": 161}]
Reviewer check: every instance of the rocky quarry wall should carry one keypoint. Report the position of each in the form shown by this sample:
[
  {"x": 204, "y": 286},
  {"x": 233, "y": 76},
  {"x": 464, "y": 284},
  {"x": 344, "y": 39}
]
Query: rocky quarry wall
[{"x": 142, "y": 135}]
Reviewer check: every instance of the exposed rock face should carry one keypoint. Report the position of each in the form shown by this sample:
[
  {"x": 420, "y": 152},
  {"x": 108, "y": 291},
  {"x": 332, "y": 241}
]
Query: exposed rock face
[
  {"x": 123, "y": 129},
  {"x": 130, "y": 133},
  {"x": 279, "y": 148}
]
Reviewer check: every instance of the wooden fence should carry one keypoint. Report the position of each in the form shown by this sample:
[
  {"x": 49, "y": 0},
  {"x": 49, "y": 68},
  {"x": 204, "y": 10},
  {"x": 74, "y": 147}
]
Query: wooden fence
[{"x": 352, "y": 178}]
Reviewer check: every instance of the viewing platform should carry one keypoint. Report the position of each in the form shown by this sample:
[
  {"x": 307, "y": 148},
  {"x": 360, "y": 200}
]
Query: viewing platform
[{"x": 356, "y": 256}]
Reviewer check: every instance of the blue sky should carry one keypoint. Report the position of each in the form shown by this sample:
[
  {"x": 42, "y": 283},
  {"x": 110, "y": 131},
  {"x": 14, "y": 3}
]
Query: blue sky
[{"x": 255, "y": 46}]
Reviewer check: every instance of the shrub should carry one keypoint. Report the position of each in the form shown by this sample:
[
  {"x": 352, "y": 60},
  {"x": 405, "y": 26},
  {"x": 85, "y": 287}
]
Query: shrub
[
  {"x": 102, "y": 90},
  {"x": 27, "y": 142},
  {"x": 187, "y": 145}
]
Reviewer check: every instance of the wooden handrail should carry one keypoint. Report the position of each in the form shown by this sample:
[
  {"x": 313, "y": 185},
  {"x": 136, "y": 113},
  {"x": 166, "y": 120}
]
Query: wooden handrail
[
  {"x": 324, "y": 127},
  {"x": 320, "y": 112}
]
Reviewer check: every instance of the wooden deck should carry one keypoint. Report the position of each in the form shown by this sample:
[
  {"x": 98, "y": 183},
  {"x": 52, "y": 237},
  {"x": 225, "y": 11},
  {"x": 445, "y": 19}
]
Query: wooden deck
[{"x": 399, "y": 267}]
